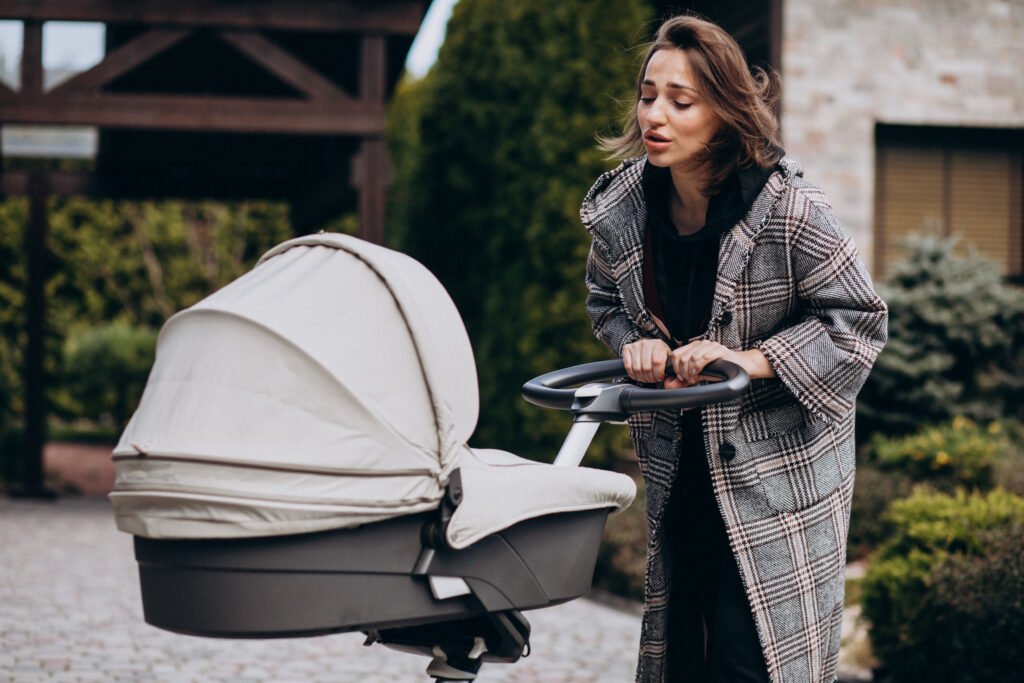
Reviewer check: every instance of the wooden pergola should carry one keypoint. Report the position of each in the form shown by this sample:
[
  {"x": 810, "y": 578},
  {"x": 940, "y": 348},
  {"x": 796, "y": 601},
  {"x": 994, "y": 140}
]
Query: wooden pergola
[{"x": 282, "y": 99}]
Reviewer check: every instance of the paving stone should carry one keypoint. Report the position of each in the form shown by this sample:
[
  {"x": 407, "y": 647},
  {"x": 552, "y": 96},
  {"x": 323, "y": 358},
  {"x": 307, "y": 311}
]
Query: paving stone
[{"x": 70, "y": 611}]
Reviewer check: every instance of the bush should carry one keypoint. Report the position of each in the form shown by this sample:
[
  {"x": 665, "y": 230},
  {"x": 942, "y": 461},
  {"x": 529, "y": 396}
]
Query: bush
[
  {"x": 107, "y": 367},
  {"x": 956, "y": 343},
  {"x": 873, "y": 492},
  {"x": 974, "y": 614},
  {"x": 926, "y": 530},
  {"x": 958, "y": 453}
]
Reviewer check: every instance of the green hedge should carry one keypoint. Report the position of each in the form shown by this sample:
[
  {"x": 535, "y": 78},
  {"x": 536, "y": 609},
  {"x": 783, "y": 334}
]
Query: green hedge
[
  {"x": 123, "y": 262},
  {"x": 957, "y": 454},
  {"x": 106, "y": 367}
]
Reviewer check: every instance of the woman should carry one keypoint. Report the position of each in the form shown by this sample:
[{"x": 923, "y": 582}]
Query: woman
[{"x": 714, "y": 246}]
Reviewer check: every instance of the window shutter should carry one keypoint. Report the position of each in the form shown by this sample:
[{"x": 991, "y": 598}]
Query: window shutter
[
  {"x": 980, "y": 202},
  {"x": 949, "y": 189},
  {"x": 909, "y": 200}
]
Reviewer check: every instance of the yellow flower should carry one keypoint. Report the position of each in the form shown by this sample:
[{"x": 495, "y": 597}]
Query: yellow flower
[
  {"x": 958, "y": 423},
  {"x": 942, "y": 458},
  {"x": 994, "y": 428}
]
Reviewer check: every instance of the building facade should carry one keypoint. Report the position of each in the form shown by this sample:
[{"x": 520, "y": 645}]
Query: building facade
[{"x": 910, "y": 114}]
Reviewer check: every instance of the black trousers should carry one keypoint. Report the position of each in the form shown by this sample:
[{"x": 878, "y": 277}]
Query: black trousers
[{"x": 711, "y": 632}]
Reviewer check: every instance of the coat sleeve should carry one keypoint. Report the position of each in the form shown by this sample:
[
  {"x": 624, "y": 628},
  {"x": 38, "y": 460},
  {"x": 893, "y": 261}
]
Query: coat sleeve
[
  {"x": 608, "y": 317},
  {"x": 825, "y": 358}
]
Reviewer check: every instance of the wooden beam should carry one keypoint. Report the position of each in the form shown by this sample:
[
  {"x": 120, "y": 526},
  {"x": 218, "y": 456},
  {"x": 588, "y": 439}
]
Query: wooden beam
[
  {"x": 36, "y": 230},
  {"x": 17, "y": 182},
  {"x": 174, "y": 112},
  {"x": 122, "y": 60},
  {"x": 373, "y": 69},
  {"x": 371, "y": 175},
  {"x": 32, "y": 60},
  {"x": 284, "y": 65},
  {"x": 393, "y": 17}
]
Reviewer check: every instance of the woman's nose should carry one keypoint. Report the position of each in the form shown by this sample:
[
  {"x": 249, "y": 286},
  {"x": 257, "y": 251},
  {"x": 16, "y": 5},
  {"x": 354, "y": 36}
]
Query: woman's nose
[{"x": 656, "y": 113}]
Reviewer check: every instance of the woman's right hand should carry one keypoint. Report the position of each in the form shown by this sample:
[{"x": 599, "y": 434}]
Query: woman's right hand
[{"x": 645, "y": 360}]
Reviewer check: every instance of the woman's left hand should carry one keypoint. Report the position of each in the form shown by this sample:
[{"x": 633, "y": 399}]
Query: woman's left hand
[{"x": 689, "y": 360}]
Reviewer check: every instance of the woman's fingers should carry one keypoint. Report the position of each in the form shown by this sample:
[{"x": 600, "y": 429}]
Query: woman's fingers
[
  {"x": 688, "y": 361},
  {"x": 644, "y": 360}
]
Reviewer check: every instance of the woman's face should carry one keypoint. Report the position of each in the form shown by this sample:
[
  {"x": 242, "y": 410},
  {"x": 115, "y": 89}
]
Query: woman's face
[{"x": 675, "y": 121}]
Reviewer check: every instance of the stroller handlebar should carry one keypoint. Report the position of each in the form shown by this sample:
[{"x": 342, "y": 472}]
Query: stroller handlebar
[{"x": 552, "y": 390}]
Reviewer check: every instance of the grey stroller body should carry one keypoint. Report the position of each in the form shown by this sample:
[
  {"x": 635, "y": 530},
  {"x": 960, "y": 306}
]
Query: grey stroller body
[{"x": 298, "y": 465}]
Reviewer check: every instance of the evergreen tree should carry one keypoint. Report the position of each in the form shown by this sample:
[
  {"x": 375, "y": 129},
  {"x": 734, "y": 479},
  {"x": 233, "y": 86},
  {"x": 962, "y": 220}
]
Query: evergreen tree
[{"x": 494, "y": 152}]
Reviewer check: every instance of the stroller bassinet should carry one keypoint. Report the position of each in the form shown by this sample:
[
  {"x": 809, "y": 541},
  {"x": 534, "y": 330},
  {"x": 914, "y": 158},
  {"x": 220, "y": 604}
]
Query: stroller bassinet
[{"x": 298, "y": 465}]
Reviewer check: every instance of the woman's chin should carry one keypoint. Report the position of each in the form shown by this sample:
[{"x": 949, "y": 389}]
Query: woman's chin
[{"x": 659, "y": 160}]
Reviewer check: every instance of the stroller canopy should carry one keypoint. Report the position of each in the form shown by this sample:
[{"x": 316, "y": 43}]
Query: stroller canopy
[{"x": 331, "y": 386}]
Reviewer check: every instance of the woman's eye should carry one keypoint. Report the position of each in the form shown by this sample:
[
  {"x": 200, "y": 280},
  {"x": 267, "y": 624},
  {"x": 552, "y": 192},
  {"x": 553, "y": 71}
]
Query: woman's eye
[
  {"x": 646, "y": 100},
  {"x": 682, "y": 105}
]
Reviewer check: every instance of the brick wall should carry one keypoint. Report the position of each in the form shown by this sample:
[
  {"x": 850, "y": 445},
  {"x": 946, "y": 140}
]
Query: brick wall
[{"x": 847, "y": 64}]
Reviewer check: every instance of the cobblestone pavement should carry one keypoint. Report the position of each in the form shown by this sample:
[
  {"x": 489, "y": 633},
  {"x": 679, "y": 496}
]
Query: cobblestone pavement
[{"x": 70, "y": 611}]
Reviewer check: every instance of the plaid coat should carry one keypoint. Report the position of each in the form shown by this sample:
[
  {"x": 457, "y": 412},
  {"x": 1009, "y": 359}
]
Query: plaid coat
[{"x": 781, "y": 457}]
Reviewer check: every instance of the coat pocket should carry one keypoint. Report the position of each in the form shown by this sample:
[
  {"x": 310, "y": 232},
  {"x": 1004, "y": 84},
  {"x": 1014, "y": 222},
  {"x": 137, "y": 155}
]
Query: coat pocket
[
  {"x": 800, "y": 467},
  {"x": 769, "y": 409},
  {"x": 771, "y": 422}
]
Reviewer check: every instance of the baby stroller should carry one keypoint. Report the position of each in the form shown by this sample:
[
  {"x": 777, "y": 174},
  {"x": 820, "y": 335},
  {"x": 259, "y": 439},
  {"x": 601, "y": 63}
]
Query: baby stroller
[{"x": 298, "y": 466}]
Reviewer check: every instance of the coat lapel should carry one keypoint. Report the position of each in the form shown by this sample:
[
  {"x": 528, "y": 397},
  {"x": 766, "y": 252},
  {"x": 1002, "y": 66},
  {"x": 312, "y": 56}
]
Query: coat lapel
[
  {"x": 737, "y": 244},
  {"x": 733, "y": 256},
  {"x": 629, "y": 215}
]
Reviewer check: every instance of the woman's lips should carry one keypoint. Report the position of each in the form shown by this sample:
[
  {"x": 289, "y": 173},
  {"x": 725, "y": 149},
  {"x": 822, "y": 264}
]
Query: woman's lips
[{"x": 655, "y": 142}]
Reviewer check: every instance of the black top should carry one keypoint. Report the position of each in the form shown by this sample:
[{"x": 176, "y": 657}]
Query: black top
[
  {"x": 684, "y": 266},
  {"x": 679, "y": 285}
]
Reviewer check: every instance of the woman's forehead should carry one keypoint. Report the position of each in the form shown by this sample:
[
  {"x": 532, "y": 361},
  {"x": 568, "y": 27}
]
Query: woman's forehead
[{"x": 669, "y": 68}]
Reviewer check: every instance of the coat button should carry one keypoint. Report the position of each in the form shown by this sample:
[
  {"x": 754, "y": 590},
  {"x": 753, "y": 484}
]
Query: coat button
[
  {"x": 726, "y": 451},
  {"x": 727, "y": 317}
]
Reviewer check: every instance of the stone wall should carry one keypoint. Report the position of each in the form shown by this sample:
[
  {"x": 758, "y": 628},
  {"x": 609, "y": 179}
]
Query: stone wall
[{"x": 849, "y": 64}]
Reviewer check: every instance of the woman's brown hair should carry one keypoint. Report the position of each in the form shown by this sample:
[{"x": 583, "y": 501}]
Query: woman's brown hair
[{"x": 741, "y": 100}]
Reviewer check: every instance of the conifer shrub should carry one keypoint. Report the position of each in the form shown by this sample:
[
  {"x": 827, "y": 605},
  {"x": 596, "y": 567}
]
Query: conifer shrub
[
  {"x": 956, "y": 342},
  {"x": 494, "y": 151}
]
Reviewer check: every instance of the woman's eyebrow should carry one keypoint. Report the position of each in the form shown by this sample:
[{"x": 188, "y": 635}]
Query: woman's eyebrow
[{"x": 674, "y": 86}]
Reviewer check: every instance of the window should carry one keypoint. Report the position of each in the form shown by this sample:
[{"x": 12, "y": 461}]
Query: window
[{"x": 950, "y": 181}]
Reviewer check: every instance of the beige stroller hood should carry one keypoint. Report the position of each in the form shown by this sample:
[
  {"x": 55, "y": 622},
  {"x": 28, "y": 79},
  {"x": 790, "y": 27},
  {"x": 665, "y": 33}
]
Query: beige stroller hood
[{"x": 331, "y": 386}]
